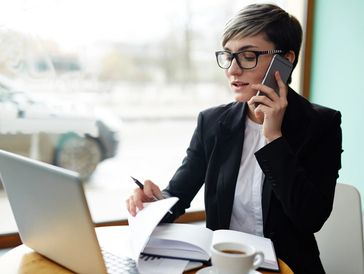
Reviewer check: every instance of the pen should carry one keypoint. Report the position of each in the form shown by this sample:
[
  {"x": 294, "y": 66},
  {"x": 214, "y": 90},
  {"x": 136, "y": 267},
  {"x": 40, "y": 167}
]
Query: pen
[{"x": 141, "y": 186}]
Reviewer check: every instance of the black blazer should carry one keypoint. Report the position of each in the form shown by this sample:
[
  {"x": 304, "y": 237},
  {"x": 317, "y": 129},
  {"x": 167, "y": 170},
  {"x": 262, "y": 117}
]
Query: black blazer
[{"x": 301, "y": 169}]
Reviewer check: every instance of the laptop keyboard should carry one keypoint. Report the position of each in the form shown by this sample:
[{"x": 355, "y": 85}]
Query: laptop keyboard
[{"x": 119, "y": 265}]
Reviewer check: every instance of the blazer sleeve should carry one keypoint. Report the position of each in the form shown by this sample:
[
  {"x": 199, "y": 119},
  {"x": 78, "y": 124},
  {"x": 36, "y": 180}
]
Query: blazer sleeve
[
  {"x": 303, "y": 180},
  {"x": 189, "y": 177}
]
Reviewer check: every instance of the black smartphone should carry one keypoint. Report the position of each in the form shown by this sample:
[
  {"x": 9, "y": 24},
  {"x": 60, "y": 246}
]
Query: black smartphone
[{"x": 283, "y": 66}]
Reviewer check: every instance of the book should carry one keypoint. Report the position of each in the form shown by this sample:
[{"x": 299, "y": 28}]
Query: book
[
  {"x": 193, "y": 242},
  {"x": 143, "y": 224},
  {"x": 186, "y": 241}
]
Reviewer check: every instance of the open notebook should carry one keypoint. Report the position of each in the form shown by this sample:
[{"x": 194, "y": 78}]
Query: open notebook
[
  {"x": 193, "y": 242},
  {"x": 187, "y": 241}
]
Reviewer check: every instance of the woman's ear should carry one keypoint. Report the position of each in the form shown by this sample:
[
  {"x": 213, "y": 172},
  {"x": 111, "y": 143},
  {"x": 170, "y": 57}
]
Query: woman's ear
[{"x": 291, "y": 56}]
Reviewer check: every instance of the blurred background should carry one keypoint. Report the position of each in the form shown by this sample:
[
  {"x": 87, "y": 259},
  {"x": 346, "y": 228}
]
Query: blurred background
[{"x": 111, "y": 88}]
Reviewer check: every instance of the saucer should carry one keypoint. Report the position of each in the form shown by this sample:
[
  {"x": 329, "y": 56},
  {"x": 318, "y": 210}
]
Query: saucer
[
  {"x": 212, "y": 270},
  {"x": 207, "y": 270}
]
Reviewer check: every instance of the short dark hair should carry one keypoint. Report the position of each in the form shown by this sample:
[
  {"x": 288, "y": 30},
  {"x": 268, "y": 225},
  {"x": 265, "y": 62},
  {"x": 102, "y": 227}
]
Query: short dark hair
[{"x": 279, "y": 27}]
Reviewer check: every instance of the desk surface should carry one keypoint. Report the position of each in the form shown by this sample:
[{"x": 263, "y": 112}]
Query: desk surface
[{"x": 22, "y": 259}]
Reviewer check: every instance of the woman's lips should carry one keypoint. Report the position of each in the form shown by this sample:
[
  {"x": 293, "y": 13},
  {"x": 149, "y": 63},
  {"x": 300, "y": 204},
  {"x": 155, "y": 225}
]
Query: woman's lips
[{"x": 238, "y": 85}]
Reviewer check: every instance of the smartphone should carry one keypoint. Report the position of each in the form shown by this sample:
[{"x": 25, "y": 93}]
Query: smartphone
[{"x": 283, "y": 66}]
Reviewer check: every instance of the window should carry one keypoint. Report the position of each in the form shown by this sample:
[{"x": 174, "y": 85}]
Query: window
[{"x": 117, "y": 87}]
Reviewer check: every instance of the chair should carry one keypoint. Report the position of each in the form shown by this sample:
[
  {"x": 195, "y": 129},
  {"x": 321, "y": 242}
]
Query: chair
[{"x": 341, "y": 238}]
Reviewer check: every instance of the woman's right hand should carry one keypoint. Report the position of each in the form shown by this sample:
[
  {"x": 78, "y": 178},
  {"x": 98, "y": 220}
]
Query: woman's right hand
[{"x": 149, "y": 193}]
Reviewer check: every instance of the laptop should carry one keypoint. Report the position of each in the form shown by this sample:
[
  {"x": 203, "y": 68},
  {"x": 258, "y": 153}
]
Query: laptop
[{"x": 52, "y": 215}]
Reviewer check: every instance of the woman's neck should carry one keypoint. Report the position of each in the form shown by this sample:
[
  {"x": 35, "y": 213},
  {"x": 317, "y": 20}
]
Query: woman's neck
[{"x": 252, "y": 117}]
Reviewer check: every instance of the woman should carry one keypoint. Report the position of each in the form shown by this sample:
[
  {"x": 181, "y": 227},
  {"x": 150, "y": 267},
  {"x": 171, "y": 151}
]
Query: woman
[{"x": 269, "y": 163}]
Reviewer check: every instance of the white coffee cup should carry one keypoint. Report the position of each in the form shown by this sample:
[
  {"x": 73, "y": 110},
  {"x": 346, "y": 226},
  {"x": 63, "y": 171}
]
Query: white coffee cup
[{"x": 235, "y": 258}]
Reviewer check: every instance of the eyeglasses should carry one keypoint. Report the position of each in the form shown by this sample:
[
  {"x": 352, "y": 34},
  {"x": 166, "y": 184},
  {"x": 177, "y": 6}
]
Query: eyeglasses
[{"x": 246, "y": 59}]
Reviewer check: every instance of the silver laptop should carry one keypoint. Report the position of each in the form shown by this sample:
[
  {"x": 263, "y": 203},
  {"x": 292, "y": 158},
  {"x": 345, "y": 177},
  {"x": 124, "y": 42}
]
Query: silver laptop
[{"x": 53, "y": 217}]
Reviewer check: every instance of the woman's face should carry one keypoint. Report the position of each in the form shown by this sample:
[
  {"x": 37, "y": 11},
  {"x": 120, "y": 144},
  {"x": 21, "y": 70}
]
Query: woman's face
[{"x": 241, "y": 79}]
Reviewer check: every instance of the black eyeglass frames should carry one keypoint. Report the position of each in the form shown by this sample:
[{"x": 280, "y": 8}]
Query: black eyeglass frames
[{"x": 246, "y": 59}]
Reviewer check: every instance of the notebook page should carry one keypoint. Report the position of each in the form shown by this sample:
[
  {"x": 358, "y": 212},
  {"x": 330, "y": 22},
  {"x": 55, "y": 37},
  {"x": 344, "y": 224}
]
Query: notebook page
[
  {"x": 142, "y": 225},
  {"x": 180, "y": 241},
  {"x": 162, "y": 266}
]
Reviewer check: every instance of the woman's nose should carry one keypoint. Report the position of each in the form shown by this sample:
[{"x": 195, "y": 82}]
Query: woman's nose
[{"x": 234, "y": 69}]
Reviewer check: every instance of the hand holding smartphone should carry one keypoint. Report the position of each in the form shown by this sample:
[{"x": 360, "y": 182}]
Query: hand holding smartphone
[{"x": 283, "y": 66}]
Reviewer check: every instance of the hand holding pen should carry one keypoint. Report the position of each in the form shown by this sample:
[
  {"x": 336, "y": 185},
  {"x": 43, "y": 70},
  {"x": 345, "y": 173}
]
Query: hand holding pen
[{"x": 146, "y": 192}]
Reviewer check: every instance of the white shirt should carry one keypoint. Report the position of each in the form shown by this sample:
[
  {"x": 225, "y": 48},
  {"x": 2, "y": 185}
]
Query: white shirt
[{"x": 247, "y": 213}]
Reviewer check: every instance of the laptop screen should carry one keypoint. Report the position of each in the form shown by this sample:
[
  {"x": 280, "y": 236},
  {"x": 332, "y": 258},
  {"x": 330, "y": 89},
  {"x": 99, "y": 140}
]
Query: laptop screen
[{"x": 51, "y": 212}]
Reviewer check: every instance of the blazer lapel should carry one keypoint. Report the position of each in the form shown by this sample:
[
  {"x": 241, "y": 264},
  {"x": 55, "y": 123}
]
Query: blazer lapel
[{"x": 231, "y": 138}]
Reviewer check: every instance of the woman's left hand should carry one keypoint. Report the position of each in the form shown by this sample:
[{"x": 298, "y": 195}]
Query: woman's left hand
[{"x": 270, "y": 109}]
